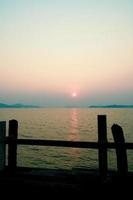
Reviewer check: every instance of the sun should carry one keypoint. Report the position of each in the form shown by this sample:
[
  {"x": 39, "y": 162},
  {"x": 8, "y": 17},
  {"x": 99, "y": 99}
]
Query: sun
[{"x": 74, "y": 94}]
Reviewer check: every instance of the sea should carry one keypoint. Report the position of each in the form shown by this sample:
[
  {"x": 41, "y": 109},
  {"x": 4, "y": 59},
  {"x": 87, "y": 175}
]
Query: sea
[{"x": 71, "y": 124}]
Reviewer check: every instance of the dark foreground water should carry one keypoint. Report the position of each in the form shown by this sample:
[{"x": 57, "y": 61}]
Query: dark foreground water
[{"x": 66, "y": 124}]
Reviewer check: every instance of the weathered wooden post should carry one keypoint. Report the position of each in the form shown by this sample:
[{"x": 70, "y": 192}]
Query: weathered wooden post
[
  {"x": 102, "y": 140},
  {"x": 122, "y": 164},
  {"x": 2, "y": 145},
  {"x": 12, "y": 146}
]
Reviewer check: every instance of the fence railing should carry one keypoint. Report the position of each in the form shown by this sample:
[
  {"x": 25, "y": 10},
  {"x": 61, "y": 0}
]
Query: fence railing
[{"x": 102, "y": 145}]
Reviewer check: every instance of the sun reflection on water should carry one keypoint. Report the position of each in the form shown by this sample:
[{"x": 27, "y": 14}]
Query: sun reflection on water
[{"x": 74, "y": 133}]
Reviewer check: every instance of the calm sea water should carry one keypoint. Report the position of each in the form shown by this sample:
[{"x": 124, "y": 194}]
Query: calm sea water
[{"x": 66, "y": 124}]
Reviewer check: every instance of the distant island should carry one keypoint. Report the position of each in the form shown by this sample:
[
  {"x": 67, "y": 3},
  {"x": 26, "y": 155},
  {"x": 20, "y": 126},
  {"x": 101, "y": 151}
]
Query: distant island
[
  {"x": 17, "y": 105},
  {"x": 111, "y": 106},
  {"x": 21, "y": 105}
]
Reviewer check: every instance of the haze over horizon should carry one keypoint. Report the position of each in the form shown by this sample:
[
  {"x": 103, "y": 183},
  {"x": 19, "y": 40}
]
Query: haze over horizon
[{"x": 66, "y": 53}]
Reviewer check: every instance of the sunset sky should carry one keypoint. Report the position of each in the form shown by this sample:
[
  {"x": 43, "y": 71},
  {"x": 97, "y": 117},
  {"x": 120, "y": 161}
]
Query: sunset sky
[{"x": 66, "y": 52}]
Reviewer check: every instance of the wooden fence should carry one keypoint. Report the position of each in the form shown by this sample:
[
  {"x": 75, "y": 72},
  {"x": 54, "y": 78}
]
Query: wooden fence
[{"x": 102, "y": 145}]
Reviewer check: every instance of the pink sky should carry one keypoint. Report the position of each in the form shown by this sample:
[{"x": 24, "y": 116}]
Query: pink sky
[{"x": 50, "y": 50}]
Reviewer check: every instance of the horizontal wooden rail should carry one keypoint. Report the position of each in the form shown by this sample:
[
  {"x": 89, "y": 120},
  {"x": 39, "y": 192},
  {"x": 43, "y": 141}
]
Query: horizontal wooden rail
[{"x": 73, "y": 144}]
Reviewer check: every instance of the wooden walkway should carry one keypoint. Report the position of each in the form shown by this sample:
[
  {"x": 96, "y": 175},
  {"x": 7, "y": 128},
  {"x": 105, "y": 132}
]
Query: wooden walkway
[{"x": 59, "y": 183}]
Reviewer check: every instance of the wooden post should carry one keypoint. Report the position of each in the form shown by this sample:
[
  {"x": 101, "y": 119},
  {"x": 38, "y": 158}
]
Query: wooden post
[
  {"x": 12, "y": 147},
  {"x": 2, "y": 145},
  {"x": 122, "y": 164},
  {"x": 102, "y": 139}
]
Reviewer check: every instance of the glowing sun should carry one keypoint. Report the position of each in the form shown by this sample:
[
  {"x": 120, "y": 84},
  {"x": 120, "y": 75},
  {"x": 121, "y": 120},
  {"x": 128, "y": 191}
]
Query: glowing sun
[{"x": 74, "y": 94}]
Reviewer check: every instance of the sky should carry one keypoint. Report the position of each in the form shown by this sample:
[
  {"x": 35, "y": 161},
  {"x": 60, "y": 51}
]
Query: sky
[{"x": 50, "y": 49}]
